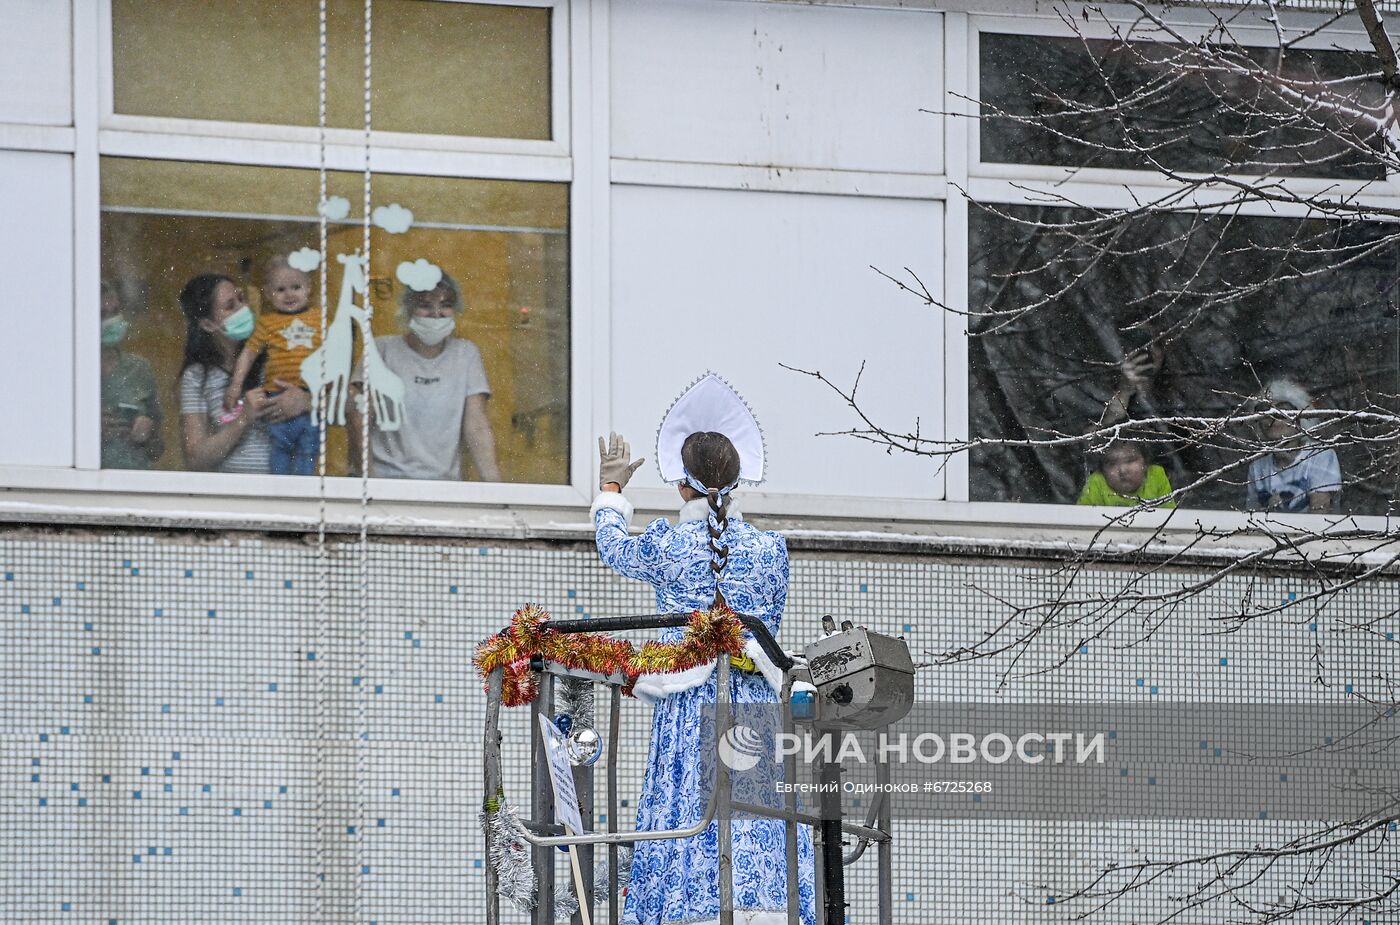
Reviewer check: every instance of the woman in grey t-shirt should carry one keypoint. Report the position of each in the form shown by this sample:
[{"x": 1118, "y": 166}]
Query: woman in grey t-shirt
[
  {"x": 216, "y": 324},
  {"x": 445, "y": 395}
]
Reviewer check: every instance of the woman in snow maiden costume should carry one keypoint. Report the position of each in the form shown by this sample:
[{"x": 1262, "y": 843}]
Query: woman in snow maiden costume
[{"x": 708, "y": 443}]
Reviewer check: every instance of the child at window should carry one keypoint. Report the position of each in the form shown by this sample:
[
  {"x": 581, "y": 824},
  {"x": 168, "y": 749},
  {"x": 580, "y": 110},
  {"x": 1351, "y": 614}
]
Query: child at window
[
  {"x": 1298, "y": 476},
  {"x": 1126, "y": 477},
  {"x": 288, "y": 334}
]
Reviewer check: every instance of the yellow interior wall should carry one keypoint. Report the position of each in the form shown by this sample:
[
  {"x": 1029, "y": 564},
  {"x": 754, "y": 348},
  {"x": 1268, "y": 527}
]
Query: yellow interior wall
[
  {"x": 438, "y": 67},
  {"x": 500, "y": 273}
]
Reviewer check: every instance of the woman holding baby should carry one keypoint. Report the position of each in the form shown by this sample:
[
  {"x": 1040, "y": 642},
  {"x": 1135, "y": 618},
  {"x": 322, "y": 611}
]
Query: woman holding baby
[{"x": 217, "y": 323}]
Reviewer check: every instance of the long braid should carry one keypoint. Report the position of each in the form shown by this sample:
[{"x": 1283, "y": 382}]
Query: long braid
[
  {"x": 712, "y": 470},
  {"x": 718, "y": 522}
]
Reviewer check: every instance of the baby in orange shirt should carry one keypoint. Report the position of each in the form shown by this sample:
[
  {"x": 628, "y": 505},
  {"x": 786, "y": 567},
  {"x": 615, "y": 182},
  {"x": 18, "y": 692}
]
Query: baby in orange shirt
[{"x": 288, "y": 334}]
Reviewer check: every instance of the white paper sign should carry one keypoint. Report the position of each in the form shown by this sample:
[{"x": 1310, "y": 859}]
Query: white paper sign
[{"x": 561, "y": 775}]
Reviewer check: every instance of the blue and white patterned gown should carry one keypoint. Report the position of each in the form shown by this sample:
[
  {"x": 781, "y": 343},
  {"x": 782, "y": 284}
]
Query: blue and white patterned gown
[{"x": 677, "y": 881}]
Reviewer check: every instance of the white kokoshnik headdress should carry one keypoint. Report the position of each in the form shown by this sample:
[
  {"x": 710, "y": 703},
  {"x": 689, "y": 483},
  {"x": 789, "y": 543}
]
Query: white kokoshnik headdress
[{"x": 710, "y": 404}]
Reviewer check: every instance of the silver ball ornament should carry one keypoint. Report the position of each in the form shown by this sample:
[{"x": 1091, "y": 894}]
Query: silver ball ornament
[{"x": 583, "y": 746}]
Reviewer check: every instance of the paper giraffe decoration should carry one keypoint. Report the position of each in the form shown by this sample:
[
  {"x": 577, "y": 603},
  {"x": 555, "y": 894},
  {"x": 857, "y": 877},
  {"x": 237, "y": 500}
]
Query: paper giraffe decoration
[{"x": 328, "y": 367}]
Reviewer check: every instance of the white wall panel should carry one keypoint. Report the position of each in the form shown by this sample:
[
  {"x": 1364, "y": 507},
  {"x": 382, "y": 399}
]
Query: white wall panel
[
  {"x": 776, "y": 84},
  {"x": 36, "y": 315},
  {"x": 737, "y": 282},
  {"x": 36, "y": 62}
]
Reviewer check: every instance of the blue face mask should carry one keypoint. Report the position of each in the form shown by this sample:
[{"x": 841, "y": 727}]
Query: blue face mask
[
  {"x": 239, "y": 325},
  {"x": 114, "y": 330}
]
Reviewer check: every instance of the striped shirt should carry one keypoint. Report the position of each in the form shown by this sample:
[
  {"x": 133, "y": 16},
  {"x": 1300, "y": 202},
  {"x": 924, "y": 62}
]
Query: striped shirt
[
  {"x": 202, "y": 392},
  {"x": 288, "y": 339}
]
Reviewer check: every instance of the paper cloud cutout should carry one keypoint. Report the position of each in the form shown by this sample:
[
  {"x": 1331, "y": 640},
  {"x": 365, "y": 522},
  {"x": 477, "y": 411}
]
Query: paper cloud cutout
[
  {"x": 420, "y": 275},
  {"x": 304, "y": 260},
  {"x": 393, "y": 218},
  {"x": 335, "y": 208}
]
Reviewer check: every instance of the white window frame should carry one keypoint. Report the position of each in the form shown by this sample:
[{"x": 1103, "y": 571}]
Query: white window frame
[
  {"x": 1147, "y": 181},
  {"x": 1019, "y": 184},
  {"x": 98, "y": 133},
  {"x": 555, "y": 146}
]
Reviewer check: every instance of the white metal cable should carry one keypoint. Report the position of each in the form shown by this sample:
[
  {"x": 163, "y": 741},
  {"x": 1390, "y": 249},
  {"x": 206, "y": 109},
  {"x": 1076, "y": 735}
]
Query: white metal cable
[
  {"x": 361, "y": 744},
  {"x": 323, "y": 570}
]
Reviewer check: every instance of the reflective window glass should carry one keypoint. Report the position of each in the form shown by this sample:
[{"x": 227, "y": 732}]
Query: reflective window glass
[
  {"x": 468, "y": 283},
  {"x": 439, "y": 67},
  {"x": 1071, "y": 102},
  {"x": 1180, "y": 328}
]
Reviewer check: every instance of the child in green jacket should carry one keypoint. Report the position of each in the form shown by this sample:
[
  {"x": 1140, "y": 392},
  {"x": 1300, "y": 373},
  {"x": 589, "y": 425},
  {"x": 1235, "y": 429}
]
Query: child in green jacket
[{"x": 1126, "y": 477}]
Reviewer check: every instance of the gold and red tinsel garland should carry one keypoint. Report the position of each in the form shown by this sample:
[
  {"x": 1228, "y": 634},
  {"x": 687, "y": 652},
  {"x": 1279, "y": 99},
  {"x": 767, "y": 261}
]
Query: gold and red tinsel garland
[{"x": 711, "y": 633}]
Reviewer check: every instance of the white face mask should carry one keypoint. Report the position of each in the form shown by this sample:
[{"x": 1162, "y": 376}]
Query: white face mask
[{"x": 432, "y": 331}]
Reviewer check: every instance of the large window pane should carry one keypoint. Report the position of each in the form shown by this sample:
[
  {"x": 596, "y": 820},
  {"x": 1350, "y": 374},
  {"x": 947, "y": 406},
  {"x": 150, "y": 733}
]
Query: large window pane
[
  {"x": 1095, "y": 103},
  {"x": 440, "y": 67},
  {"x": 504, "y": 243},
  {"x": 1211, "y": 311}
]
